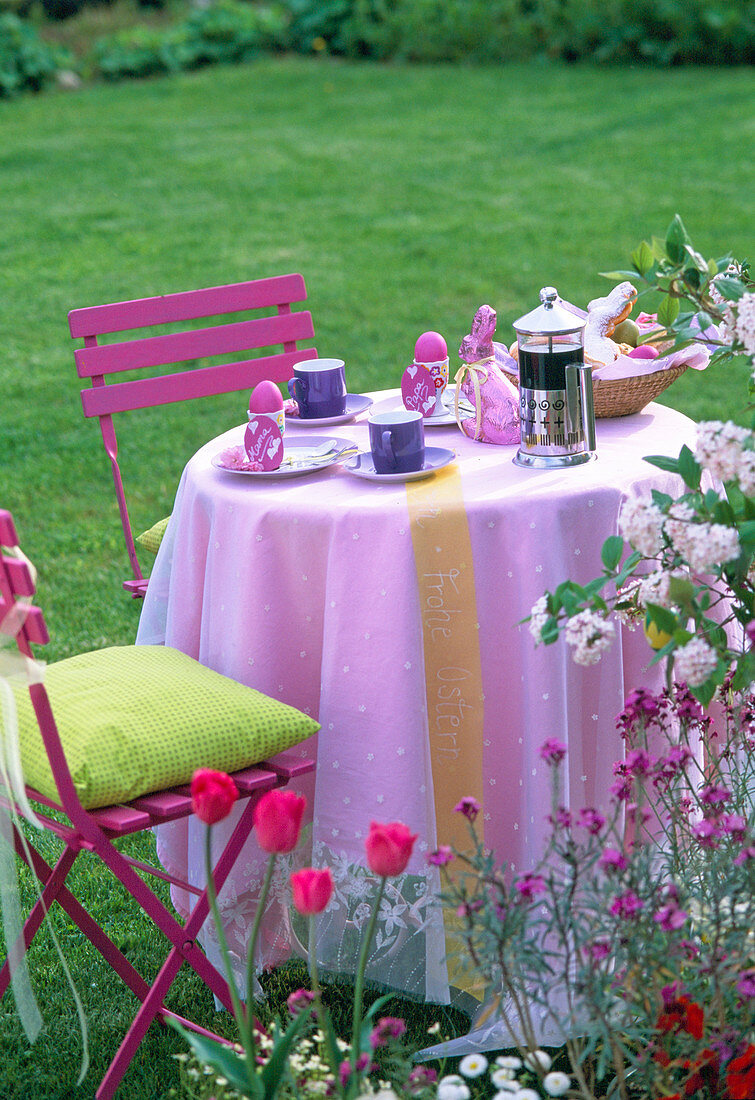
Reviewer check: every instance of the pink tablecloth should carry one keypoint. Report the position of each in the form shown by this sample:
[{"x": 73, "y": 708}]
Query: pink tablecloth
[{"x": 307, "y": 589}]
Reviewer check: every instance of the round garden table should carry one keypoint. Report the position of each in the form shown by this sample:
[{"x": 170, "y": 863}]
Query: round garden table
[{"x": 392, "y": 613}]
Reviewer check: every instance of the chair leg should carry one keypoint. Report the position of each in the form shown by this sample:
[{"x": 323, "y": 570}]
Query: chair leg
[
  {"x": 52, "y": 881},
  {"x": 81, "y": 918},
  {"x": 185, "y": 949}
]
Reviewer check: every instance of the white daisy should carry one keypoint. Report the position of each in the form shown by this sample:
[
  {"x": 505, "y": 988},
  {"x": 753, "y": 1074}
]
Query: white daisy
[{"x": 473, "y": 1065}]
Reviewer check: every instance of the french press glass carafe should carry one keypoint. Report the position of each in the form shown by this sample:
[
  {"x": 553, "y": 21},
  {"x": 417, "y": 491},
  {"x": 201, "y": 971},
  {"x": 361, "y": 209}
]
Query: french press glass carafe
[{"x": 556, "y": 412}]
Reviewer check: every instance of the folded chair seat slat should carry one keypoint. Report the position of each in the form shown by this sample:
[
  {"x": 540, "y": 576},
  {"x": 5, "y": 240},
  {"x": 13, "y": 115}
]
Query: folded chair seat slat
[{"x": 112, "y": 738}]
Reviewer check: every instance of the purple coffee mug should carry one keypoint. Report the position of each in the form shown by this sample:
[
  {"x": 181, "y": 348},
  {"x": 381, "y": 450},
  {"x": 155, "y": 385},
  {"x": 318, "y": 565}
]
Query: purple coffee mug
[
  {"x": 319, "y": 388},
  {"x": 397, "y": 441}
]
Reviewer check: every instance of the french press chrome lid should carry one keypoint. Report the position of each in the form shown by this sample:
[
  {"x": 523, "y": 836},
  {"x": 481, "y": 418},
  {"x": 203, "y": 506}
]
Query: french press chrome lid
[{"x": 556, "y": 414}]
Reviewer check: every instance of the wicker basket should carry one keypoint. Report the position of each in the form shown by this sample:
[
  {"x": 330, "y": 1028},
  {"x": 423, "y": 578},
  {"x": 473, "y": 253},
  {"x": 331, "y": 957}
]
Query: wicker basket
[{"x": 625, "y": 396}]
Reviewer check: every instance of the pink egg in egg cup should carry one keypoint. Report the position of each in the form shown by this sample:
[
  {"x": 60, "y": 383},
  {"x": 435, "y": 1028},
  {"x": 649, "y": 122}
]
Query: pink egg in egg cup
[
  {"x": 266, "y": 403},
  {"x": 431, "y": 351}
]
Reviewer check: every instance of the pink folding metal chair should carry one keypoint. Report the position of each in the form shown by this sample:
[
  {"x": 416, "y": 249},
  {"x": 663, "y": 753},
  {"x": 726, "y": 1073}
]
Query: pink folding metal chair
[
  {"x": 172, "y": 351},
  {"x": 96, "y": 830}
]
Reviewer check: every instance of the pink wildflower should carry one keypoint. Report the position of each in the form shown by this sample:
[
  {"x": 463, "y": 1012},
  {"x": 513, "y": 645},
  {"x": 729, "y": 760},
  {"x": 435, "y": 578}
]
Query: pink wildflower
[
  {"x": 714, "y": 794},
  {"x": 530, "y": 885},
  {"x": 707, "y": 832},
  {"x": 612, "y": 860},
  {"x": 670, "y": 917},
  {"x": 387, "y": 1027},
  {"x": 468, "y": 806},
  {"x": 734, "y": 824},
  {"x": 553, "y": 751},
  {"x": 591, "y": 820},
  {"x": 441, "y": 855},
  {"x": 746, "y": 985},
  {"x": 626, "y": 905},
  {"x": 562, "y": 818},
  {"x": 299, "y": 1001}
]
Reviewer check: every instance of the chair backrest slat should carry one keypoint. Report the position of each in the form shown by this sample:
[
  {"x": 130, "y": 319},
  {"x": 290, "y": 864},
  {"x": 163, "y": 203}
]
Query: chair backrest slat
[
  {"x": 8, "y": 536},
  {"x": 145, "y": 393},
  {"x": 187, "y": 306},
  {"x": 16, "y": 581},
  {"x": 21, "y": 580},
  {"x": 179, "y": 347}
]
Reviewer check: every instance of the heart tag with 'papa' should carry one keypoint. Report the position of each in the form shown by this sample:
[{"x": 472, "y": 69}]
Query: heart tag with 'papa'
[
  {"x": 263, "y": 443},
  {"x": 418, "y": 389}
]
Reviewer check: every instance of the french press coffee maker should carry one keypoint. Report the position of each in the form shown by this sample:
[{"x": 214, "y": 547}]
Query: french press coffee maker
[{"x": 556, "y": 412}]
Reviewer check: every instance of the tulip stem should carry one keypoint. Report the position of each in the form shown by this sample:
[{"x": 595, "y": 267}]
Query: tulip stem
[
  {"x": 238, "y": 1009},
  {"x": 364, "y": 948},
  {"x": 259, "y": 912},
  {"x": 325, "y": 1026}
]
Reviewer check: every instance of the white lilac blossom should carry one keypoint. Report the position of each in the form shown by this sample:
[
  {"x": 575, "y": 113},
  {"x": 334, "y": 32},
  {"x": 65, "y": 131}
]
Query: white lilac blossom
[
  {"x": 746, "y": 473},
  {"x": 641, "y": 524},
  {"x": 695, "y": 662},
  {"x": 591, "y": 635},
  {"x": 538, "y": 618},
  {"x": 744, "y": 324},
  {"x": 706, "y": 545},
  {"x": 473, "y": 1065},
  {"x": 556, "y": 1083},
  {"x": 630, "y": 614},
  {"x": 680, "y": 517},
  {"x": 655, "y": 588},
  {"x": 719, "y": 448}
]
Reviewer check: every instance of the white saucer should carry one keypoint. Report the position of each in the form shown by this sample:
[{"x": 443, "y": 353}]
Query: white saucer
[
  {"x": 298, "y": 457},
  {"x": 356, "y": 403},
  {"x": 437, "y": 420},
  {"x": 436, "y": 458}
]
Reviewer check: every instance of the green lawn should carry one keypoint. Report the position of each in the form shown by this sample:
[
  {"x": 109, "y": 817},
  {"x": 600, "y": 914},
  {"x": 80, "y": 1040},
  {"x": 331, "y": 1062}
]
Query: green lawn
[{"x": 406, "y": 196}]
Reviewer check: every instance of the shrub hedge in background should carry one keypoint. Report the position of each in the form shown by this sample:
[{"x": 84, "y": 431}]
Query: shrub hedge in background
[
  {"x": 665, "y": 32},
  {"x": 26, "y": 63},
  {"x": 657, "y": 32},
  {"x": 227, "y": 31}
]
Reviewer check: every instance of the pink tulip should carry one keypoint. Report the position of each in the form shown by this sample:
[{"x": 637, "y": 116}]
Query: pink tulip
[
  {"x": 388, "y": 848},
  {"x": 312, "y": 890},
  {"x": 277, "y": 820},
  {"x": 212, "y": 795}
]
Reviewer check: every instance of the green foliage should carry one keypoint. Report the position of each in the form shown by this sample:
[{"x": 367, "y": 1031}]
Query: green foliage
[
  {"x": 669, "y": 32},
  {"x": 227, "y": 32},
  {"x": 26, "y": 63}
]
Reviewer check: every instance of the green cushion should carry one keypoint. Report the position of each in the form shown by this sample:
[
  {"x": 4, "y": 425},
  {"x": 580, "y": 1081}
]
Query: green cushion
[
  {"x": 152, "y": 538},
  {"x": 135, "y": 719}
]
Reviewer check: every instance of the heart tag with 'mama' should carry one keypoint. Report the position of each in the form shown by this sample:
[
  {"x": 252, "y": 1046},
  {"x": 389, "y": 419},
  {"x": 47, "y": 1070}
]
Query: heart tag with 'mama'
[
  {"x": 418, "y": 390},
  {"x": 263, "y": 443}
]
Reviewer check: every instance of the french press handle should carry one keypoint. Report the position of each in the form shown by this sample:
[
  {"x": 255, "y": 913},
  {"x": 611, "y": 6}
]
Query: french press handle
[{"x": 588, "y": 405}]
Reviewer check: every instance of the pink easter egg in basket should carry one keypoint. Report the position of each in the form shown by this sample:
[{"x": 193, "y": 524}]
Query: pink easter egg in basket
[
  {"x": 263, "y": 444},
  {"x": 644, "y": 351},
  {"x": 430, "y": 348},
  {"x": 418, "y": 389},
  {"x": 266, "y": 398}
]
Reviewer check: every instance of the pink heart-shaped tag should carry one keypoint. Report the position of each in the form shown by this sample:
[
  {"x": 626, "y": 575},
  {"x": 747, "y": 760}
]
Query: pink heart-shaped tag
[
  {"x": 418, "y": 389},
  {"x": 263, "y": 444}
]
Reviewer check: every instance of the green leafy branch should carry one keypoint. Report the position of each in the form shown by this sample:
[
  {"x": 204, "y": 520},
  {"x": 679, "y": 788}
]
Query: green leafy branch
[{"x": 675, "y": 268}]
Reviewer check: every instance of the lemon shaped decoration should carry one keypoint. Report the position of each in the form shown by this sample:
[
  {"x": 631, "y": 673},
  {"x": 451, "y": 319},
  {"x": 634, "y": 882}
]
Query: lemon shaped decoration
[{"x": 656, "y": 637}]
